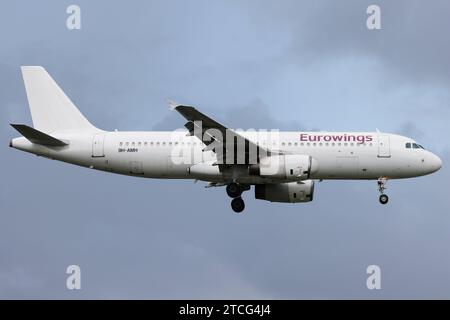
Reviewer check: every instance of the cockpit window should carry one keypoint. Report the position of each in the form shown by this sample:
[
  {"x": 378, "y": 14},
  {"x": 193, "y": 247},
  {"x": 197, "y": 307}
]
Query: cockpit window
[
  {"x": 408, "y": 145},
  {"x": 417, "y": 146}
]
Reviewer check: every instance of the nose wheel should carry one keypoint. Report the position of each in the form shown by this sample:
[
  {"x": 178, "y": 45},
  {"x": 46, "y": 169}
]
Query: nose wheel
[
  {"x": 384, "y": 199},
  {"x": 381, "y": 187}
]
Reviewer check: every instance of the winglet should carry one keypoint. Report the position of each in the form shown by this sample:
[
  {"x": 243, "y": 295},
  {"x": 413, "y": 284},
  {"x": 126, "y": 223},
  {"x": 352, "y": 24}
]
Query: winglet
[
  {"x": 38, "y": 137},
  {"x": 172, "y": 104}
]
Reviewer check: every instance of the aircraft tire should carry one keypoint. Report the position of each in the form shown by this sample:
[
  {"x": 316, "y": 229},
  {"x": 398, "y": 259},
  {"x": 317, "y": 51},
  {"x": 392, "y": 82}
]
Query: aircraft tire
[
  {"x": 384, "y": 199},
  {"x": 234, "y": 190},
  {"x": 238, "y": 205}
]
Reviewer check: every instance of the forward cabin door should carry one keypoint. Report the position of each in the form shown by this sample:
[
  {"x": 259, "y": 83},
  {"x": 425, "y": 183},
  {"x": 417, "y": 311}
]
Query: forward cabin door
[
  {"x": 384, "y": 147},
  {"x": 98, "y": 145}
]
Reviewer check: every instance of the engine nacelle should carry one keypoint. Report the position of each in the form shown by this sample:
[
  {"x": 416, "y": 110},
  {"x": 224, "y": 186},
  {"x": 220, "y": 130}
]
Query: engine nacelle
[
  {"x": 285, "y": 167},
  {"x": 301, "y": 191}
]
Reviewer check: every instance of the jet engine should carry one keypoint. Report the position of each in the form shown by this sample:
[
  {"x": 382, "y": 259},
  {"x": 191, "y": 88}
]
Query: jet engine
[
  {"x": 285, "y": 167},
  {"x": 301, "y": 191}
]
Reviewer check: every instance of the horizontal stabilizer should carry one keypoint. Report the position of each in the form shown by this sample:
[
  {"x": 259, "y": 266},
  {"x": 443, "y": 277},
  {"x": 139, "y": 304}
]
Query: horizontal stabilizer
[{"x": 36, "y": 136}]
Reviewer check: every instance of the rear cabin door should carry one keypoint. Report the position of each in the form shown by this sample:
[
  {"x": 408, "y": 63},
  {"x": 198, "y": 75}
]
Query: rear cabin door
[
  {"x": 384, "y": 148},
  {"x": 98, "y": 148}
]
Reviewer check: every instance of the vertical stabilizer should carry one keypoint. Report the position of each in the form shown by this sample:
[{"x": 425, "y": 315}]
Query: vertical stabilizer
[{"x": 51, "y": 110}]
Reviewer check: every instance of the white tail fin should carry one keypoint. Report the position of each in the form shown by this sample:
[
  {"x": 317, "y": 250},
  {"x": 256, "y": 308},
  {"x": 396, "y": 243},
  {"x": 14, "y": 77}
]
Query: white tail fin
[{"x": 51, "y": 110}]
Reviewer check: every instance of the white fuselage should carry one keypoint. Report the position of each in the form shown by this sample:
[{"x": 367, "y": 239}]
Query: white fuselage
[
  {"x": 171, "y": 155},
  {"x": 282, "y": 166}
]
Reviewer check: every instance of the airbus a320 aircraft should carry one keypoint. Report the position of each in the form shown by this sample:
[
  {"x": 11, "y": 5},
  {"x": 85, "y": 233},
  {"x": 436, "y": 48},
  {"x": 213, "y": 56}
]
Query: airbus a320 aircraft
[{"x": 282, "y": 166}]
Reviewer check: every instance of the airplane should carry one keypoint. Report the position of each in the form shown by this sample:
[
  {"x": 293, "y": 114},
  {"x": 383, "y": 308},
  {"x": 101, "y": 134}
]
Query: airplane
[{"x": 281, "y": 166}]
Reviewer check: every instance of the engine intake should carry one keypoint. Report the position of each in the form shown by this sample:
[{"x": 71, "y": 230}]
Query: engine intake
[{"x": 301, "y": 191}]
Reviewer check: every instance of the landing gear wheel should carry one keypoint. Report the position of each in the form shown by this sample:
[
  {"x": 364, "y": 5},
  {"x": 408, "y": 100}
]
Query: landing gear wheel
[
  {"x": 238, "y": 205},
  {"x": 384, "y": 199},
  {"x": 381, "y": 187},
  {"x": 234, "y": 190}
]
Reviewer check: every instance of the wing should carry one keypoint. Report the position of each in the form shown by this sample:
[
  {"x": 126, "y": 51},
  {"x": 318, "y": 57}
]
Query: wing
[{"x": 229, "y": 146}]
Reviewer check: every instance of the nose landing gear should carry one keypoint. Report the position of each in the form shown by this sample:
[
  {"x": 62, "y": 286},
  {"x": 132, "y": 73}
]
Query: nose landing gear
[
  {"x": 234, "y": 191},
  {"x": 384, "y": 199},
  {"x": 381, "y": 187}
]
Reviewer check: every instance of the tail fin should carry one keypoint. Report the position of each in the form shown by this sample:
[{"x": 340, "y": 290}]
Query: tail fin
[{"x": 51, "y": 110}]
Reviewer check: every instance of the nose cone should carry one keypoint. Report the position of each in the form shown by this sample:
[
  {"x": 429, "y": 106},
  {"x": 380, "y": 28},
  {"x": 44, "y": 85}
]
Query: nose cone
[{"x": 435, "y": 163}]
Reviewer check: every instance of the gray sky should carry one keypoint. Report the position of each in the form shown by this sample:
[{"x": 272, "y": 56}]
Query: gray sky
[{"x": 250, "y": 64}]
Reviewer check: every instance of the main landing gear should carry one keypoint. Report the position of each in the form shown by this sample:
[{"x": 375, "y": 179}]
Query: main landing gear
[
  {"x": 234, "y": 191},
  {"x": 238, "y": 205},
  {"x": 381, "y": 187}
]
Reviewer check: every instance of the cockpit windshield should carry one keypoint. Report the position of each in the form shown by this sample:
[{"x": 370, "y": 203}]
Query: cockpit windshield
[{"x": 412, "y": 145}]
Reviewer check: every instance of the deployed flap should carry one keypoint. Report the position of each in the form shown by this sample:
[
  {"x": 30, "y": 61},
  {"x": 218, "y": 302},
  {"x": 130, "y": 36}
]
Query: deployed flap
[{"x": 36, "y": 136}]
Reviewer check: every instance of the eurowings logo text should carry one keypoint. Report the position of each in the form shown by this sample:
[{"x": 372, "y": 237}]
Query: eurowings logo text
[{"x": 306, "y": 137}]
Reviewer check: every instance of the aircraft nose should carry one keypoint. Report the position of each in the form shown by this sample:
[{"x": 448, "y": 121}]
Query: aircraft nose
[{"x": 435, "y": 162}]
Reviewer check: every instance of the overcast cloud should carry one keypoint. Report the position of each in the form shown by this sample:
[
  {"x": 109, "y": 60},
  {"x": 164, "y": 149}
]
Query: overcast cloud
[{"x": 290, "y": 65}]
